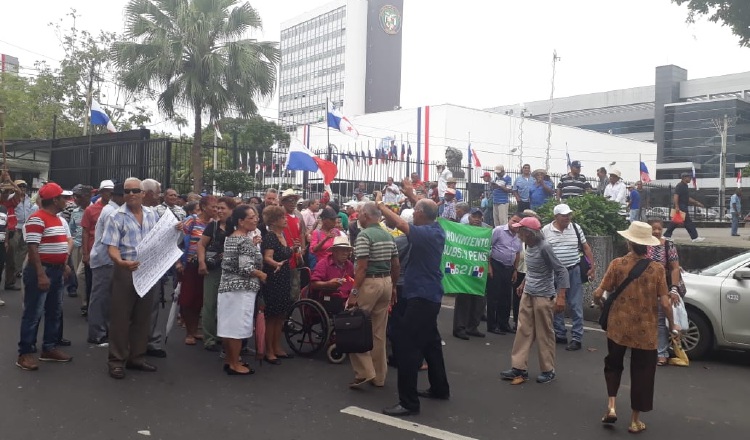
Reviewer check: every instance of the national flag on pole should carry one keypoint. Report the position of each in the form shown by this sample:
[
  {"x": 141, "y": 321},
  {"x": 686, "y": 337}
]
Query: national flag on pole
[
  {"x": 302, "y": 159},
  {"x": 408, "y": 149},
  {"x": 645, "y": 178},
  {"x": 695, "y": 179},
  {"x": 99, "y": 117},
  {"x": 394, "y": 151},
  {"x": 568, "y": 155},
  {"x": 216, "y": 130},
  {"x": 338, "y": 121},
  {"x": 403, "y": 151},
  {"x": 473, "y": 159},
  {"x": 739, "y": 178},
  {"x": 369, "y": 156}
]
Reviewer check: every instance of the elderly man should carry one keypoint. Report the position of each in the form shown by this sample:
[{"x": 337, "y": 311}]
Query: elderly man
[
  {"x": 522, "y": 187},
  {"x": 377, "y": 268},
  {"x": 443, "y": 175},
  {"x": 601, "y": 177},
  {"x": 391, "y": 192},
  {"x": 504, "y": 257},
  {"x": 418, "y": 337},
  {"x": 568, "y": 240},
  {"x": 336, "y": 272},
  {"x": 616, "y": 190},
  {"x": 130, "y": 316},
  {"x": 151, "y": 193},
  {"x": 502, "y": 186},
  {"x": 541, "y": 189},
  {"x": 574, "y": 183},
  {"x": 295, "y": 234},
  {"x": 101, "y": 273},
  {"x": 88, "y": 223},
  {"x": 310, "y": 214},
  {"x": 469, "y": 307},
  {"x": 360, "y": 193},
  {"x": 463, "y": 211},
  {"x": 452, "y": 182},
  {"x": 171, "y": 202},
  {"x": 47, "y": 241},
  {"x": 448, "y": 205},
  {"x": 11, "y": 195},
  {"x": 420, "y": 189},
  {"x": 82, "y": 195}
]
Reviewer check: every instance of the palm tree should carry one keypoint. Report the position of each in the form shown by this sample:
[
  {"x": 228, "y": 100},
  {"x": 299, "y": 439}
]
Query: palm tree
[{"x": 194, "y": 56}]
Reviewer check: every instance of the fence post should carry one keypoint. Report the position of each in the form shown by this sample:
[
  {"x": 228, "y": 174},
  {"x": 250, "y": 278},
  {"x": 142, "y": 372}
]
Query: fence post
[{"x": 168, "y": 166}]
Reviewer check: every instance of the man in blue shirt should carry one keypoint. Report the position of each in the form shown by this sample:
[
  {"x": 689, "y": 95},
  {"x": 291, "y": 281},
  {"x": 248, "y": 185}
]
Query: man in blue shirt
[
  {"x": 521, "y": 188},
  {"x": 735, "y": 208},
  {"x": 502, "y": 186},
  {"x": 541, "y": 190},
  {"x": 634, "y": 202},
  {"x": 418, "y": 337}
]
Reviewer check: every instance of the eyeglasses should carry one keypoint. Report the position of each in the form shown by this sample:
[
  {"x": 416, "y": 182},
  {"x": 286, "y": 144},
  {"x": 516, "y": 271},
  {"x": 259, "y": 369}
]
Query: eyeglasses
[{"x": 132, "y": 190}]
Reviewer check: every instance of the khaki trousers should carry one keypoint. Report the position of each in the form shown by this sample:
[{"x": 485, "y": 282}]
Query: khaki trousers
[
  {"x": 535, "y": 324},
  {"x": 500, "y": 213},
  {"x": 130, "y": 319},
  {"x": 374, "y": 298},
  {"x": 76, "y": 257}
]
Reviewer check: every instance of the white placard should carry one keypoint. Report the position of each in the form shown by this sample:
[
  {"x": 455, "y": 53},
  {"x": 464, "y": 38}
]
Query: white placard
[{"x": 157, "y": 253}]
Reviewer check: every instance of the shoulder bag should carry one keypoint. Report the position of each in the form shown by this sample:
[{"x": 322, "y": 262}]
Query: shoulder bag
[
  {"x": 584, "y": 263},
  {"x": 353, "y": 331},
  {"x": 635, "y": 272},
  {"x": 213, "y": 257}
]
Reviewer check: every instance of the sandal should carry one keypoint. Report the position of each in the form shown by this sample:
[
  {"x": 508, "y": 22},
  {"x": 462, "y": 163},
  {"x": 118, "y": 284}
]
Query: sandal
[
  {"x": 636, "y": 427},
  {"x": 662, "y": 362},
  {"x": 189, "y": 340},
  {"x": 610, "y": 416}
]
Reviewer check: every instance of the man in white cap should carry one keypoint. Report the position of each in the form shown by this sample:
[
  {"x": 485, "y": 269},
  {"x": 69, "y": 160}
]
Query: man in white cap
[
  {"x": 443, "y": 175},
  {"x": 502, "y": 187},
  {"x": 616, "y": 190}
]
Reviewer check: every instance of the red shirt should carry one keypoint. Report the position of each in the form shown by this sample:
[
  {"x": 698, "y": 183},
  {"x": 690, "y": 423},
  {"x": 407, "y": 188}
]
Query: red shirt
[
  {"x": 47, "y": 231},
  {"x": 88, "y": 222},
  {"x": 11, "y": 206},
  {"x": 291, "y": 233}
]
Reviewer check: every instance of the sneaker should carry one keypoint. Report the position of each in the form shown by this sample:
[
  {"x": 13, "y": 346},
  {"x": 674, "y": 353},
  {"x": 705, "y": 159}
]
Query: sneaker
[
  {"x": 98, "y": 343},
  {"x": 27, "y": 362},
  {"x": 698, "y": 239},
  {"x": 514, "y": 373},
  {"x": 55, "y": 355},
  {"x": 2, "y": 303},
  {"x": 546, "y": 377}
]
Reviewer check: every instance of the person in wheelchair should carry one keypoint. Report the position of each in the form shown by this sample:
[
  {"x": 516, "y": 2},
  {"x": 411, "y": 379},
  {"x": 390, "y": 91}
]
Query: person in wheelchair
[{"x": 333, "y": 277}]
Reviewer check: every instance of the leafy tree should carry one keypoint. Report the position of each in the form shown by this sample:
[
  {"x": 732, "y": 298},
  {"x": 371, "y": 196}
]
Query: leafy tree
[
  {"x": 192, "y": 55},
  {"x": 255, "y": 135},
  {"x": 732, "y": 13},
  {"x": 232, "y": 180}
]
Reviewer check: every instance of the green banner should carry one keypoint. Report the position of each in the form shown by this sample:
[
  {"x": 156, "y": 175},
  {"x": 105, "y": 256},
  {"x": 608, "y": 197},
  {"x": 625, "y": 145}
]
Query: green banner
[{"x": 465, "y": 257}]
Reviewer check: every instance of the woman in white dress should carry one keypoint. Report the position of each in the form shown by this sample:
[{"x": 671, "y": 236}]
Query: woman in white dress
[{"x": 240, "y": 282}]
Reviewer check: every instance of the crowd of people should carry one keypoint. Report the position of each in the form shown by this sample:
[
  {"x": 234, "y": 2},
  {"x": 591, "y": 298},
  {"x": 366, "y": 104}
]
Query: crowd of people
[{"x": 380, "y": 252}]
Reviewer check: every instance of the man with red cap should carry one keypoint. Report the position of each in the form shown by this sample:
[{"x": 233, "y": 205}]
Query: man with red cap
[{"x": 48, "y": 251}]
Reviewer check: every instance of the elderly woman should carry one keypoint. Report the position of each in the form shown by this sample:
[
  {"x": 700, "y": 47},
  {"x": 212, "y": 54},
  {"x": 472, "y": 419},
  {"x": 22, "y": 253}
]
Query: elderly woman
[
  {"x": 322, "y": 239},
  {"x": 276, "y": 293},
  {"x": 191, "y": 292},
  {"x": 210, "y": 250},
  {"x": 632, "y": 322},
  {"x": 240, "y": 282},
  {"x": 665, "y": 254},
  {"x": 543, "y": 294}
]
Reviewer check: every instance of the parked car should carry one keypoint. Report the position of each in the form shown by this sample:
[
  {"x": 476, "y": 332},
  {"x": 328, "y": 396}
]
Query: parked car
[
  {"x": 718, "y": 306},
  {"x": 659, "y": 212},
  {"x": 705, "y": 213}
]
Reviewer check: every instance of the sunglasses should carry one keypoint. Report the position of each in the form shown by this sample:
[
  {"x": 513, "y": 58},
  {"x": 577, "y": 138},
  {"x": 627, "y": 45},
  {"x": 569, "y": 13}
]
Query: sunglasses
[{"x": 132, "y": 191}]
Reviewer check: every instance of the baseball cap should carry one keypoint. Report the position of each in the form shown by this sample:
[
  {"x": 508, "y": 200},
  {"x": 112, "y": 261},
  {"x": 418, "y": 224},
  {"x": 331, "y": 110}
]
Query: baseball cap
[
  {"x": 20, "y": 182},
  {"x": 562, "y": 209},
  {"x": 685, "y": 174},
  {"x": 486, "y": 174},
  {"x": 528, "y": 222},
  {"x": 351, "y": 204},
  {"x": 475, "y": 211},
  {"x": 575, "y": 164},
  {"x": 50, "y": 191},
  {"x": 106, "y": 184},
  {"x": 499, "y": 168},
  {"x": 81, "y": 189}
]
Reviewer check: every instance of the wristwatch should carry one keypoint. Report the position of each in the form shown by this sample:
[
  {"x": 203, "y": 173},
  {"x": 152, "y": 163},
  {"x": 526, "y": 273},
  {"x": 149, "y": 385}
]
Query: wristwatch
[{"x": 354, "y": 292}]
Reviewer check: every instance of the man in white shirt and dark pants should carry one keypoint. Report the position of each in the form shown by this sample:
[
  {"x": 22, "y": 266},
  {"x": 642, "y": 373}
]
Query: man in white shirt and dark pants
[{"x": 616, "y": 190}]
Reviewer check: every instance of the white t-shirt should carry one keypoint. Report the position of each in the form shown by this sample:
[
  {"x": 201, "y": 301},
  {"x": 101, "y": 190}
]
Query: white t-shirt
[{"x": 443, "y": 181}]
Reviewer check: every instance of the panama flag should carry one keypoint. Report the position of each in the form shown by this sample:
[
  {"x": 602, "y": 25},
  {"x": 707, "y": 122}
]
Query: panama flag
[
  {"x": 99, "y": 117},
  {"x": 302, "y": 159},
  {"x": 645, "y": 178},
  {"x": 473, "y": 159},
  {"x": 341, "y": 123},
  {"x": 695, "y": 179}
]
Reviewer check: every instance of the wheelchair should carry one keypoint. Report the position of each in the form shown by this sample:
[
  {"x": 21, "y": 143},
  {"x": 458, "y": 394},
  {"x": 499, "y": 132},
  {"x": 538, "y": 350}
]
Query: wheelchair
[{"x": 309, "y": 325}]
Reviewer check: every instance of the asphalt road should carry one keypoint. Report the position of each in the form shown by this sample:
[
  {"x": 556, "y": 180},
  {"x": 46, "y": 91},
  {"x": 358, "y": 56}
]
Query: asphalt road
[{"x": 191, "y": 398}]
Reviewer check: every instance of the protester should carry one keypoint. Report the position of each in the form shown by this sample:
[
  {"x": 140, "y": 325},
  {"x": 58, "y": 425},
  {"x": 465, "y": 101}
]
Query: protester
[
  {"x": 171, "y": 202},
  {"x": 295, "y": 233},
  {"x": 665, "y": 253},
  {"x": 735, "y": 210},
  {"x": 210, "y": 251},
  {"x": 448, "y": 204},
  {"x": 632, "y": 323},
  {"x": 241, "y": 276},
  {"x": 3, "y": 238},
  {"x": 568, "y": 240},
  {"x": 634, "y": 202},
  {"x": 501, "y": 187},
  {"x": 452, "y": 185},
  {"x": 574, "y": 183},
  {"x": 17, "y": 246},
  {"x": 522, "y": 188},
  {"x": 470, "y": 306},
  {"x": 543, "y": 293},
  {"x": 270, "y": 198},
  {"x": 504, "y": 257},
  {"x": 418, "y": 336},
  {"x": 680, "y": 202},
  {"x": 89, "y": 221},
  {"x": 130, "y": 314},
  {"x": 601, "y": 176},
  {"x": 82, "y": 195},
  {"x": 11, "y": 196},
  {"x": 322, "y": 239},
  {"x": 616, "y": 190},
  {"x": 278, "y": 255},
  {"x": 48, "y": 250},
  {"x": 541, "y": 190},
  {"x": 420, "y": 189},
  {"x": 391, "y": 192},
  {"x": 463, "y": 212},
  {"x": 444, "y": 173},
  {"x": 310, "y": 214},
  {"x": 335, "y": 272}
]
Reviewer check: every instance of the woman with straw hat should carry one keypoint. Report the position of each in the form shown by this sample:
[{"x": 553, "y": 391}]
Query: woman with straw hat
[{"x": 632, "y": 322}]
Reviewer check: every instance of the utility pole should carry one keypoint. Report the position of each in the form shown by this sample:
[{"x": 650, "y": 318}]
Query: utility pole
[
  {"x": 722, "y": 126},
  {"x": 555, "y": 59}
]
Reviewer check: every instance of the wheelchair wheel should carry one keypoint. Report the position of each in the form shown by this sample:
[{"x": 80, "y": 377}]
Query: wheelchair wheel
[
  {"x": 335, "y": 356},
  {"x": 307, "y": 327}
]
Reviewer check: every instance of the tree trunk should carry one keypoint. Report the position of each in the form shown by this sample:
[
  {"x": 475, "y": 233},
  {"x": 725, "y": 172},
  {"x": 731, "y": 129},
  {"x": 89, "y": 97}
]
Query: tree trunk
[{"x": 195, "y": 153}]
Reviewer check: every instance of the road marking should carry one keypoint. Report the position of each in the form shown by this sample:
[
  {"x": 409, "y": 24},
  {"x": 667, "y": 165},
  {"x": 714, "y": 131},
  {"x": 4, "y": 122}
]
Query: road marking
[{"x": 403, "y": 424}]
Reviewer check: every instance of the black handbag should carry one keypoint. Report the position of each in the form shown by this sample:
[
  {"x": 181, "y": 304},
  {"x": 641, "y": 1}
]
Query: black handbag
[
  {"x": 213, "y": 256},
  {"x": 635, "y": 272},
  {"x": 583, "y": 262},
  {"x": 353, "y": 331}
]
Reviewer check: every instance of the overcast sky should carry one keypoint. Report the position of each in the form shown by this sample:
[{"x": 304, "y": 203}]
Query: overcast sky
[{"x": 476, "y": 53}]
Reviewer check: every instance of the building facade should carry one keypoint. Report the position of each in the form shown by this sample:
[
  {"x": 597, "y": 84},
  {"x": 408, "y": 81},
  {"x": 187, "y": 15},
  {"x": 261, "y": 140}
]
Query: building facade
[
  {"x": 346, "y": 54},
  {"x": 8, "y": 64}
]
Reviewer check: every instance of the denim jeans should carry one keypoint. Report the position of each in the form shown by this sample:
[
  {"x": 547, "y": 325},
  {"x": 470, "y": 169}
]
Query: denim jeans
[
  {"x": 574, "y": 303},
  {"x": 735, "y": 222},
  {"x": 662, "y": 334},
  {"x": 38, "y": 303}
]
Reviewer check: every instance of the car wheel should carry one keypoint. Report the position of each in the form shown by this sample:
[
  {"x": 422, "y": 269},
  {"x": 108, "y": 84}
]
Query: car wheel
[{"x": 698, "y": 338}]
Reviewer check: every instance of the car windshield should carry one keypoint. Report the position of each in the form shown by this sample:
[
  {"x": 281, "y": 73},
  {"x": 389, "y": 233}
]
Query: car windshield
[{"x": 724, "y": 265}]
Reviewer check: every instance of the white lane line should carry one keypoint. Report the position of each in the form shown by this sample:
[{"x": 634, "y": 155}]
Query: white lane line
[{"x": 403, "y": 424}]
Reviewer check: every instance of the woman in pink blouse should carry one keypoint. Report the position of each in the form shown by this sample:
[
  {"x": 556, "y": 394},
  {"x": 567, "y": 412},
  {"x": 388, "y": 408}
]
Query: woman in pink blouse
[{"x": 322, "y": 239}]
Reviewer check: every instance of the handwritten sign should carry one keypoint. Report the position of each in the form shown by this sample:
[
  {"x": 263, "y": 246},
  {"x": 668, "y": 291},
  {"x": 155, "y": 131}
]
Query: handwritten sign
[
  {"x": 157, "y": 253},
  {"x": 465, "y": 258}
]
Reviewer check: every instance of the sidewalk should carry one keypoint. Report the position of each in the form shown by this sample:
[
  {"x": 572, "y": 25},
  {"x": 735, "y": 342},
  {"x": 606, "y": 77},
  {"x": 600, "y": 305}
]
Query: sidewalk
[{"x": 715, "y": 237}]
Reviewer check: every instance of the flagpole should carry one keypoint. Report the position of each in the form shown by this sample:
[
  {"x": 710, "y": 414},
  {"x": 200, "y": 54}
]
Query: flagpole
[
  {"x": 328, "y": 130},
  {"x": 216, "y": 158}
]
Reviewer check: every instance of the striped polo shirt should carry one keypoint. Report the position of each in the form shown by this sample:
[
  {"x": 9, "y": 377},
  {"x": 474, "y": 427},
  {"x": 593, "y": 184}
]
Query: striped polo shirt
[
  {"x": 378, "y": 247},
  {"x": 571, "y": 186},
  {"x": 564, "y": 243},
  {"x": 3, "y": 226},
  {"x": 48, "y": 232}
]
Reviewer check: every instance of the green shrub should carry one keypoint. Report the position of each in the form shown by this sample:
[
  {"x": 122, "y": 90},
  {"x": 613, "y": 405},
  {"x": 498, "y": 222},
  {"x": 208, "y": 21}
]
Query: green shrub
[{"x": 596, "y": 215}]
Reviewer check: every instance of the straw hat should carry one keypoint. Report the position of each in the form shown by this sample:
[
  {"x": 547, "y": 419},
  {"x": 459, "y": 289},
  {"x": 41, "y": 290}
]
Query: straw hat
[
  {"x": 341, "y": 242},
  {"x": 289, "y": 193},
  {"x": 640, "y": 233}
]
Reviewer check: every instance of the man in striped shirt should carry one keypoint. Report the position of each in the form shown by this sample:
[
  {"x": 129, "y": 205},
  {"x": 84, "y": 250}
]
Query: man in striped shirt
[
  {"x": 562, "y": 234},
  {"x": 48, "y": 250},
  {"x": 574, "y": 183}
]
